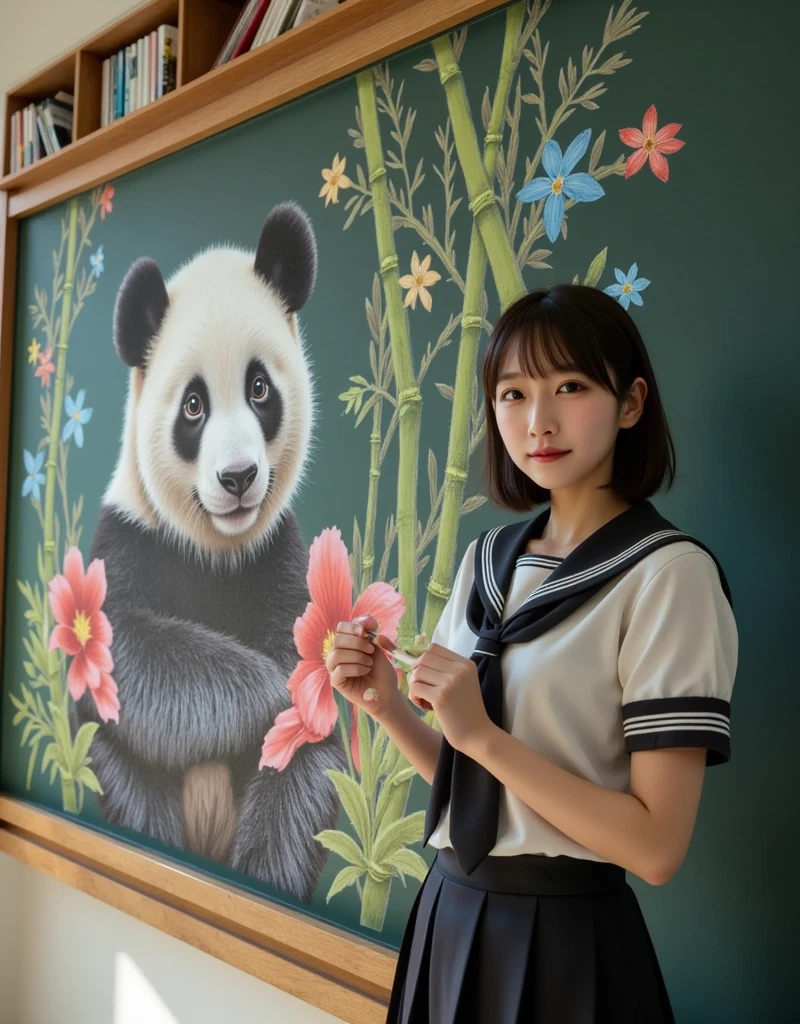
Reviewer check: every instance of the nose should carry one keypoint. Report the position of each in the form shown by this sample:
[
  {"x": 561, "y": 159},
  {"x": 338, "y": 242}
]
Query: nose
[
  {"x": 237, "y": 481},
  {"x": 540, "y": 419}
]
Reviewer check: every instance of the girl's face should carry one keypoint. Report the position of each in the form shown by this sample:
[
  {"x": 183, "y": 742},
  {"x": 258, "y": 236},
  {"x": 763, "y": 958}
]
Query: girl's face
[{"x": 565, "y": 410}]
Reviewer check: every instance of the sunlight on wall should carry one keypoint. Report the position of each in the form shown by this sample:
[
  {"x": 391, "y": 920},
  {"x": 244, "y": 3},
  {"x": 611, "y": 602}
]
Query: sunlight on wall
[{"x": 135, "y": 999}]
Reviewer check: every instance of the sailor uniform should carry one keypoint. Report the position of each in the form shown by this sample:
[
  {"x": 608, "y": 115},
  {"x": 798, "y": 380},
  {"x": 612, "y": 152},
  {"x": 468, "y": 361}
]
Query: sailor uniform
[{"x": 629, "y": 643}]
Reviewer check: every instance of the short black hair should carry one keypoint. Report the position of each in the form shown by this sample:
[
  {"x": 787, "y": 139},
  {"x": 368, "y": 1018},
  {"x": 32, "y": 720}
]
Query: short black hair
[{"x": 575, "y": 327}]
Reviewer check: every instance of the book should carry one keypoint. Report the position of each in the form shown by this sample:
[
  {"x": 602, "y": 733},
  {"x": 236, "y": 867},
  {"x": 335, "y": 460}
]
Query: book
[{"x": 311, "y": 8}]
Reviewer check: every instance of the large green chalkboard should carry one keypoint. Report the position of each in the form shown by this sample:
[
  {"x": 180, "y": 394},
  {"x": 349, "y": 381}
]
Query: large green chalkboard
[{"x": 715, "y": 240}]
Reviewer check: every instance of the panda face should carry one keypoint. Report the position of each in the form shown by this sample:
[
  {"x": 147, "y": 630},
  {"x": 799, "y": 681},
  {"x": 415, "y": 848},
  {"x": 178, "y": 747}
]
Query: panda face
[{"x": 220, "y": 405}]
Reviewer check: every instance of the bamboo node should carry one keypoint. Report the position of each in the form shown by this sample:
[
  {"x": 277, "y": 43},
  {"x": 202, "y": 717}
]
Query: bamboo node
[
  {"x": 49, "y": 546},
  {"x": 482, "y": 200},
  {"x": 437, "y": 590},
  {"x": 493, "y": 137},
  {"x": 447, "y": 72},
  {"x": 471, "y": 320},
  {"x": 408, "y": 395},
  {"x": 375, "y": 437},
  {"x": 374, "y": 473},
  {"x": 389, "y": 263},
  {"x": 379, "y": 172},
  {"x": 451, "y": 473},
  {"x": 367, "y": 561}
]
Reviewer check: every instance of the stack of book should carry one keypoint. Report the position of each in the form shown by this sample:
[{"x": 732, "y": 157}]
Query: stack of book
[
  {"x": 40, "y": 129},
  {"x": 139, "y": 73},
  {"x": 263, "y": 20}
]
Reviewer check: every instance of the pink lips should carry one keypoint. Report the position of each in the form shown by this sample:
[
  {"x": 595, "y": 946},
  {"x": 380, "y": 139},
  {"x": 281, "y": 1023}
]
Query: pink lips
[{"x": 551, "y": 457}]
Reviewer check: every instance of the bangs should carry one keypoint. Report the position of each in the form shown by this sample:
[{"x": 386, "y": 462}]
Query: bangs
[{"x": 546, "y": 341}]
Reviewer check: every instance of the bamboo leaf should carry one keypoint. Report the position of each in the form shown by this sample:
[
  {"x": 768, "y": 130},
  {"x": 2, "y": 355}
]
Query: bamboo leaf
[
  {"x": 562, "y": 86},
  {"x": 486, "y": 110},
  {"x": 410, "y": 863},
  {"x": 473, "y": 502},
  {"x": 597, "y": 151},
  {"x": 596, "y": 268},
  {"x": 354, "y": 803},
  {"x": 341, "y": 843},
  {"x": 446, "y": 391},
  {"x": 398, "y": 834},
  {"x": 432, "y": 476},
  {"x": 458, "y": 43},
  {"x": 86, "y": 777},
  {"x": 347, "y": 876},
  {"x": 537, "y": 259}
]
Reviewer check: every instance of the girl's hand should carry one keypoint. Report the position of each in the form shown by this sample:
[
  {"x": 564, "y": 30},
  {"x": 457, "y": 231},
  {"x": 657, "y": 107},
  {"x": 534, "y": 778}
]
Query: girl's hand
[
  {"x": 450, "y": 683},
  {"x": 357, "y": 666}
]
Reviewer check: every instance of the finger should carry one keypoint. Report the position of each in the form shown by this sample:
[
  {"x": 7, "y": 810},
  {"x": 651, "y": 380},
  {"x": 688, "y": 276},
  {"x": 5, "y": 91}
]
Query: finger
[
  {"x": 352, "y": 628},
  {"x": 364, "y": 622},
  {"x": 443, "y": 652},
  {"x": 343, "y": 656},
  {"x": 434, "y": 660},
  {"x": 429, "y": 674},
  {"x": 352, "y": 641},
  {"x": 421, "y": 695},
  {"x": 344, "y": 673}
]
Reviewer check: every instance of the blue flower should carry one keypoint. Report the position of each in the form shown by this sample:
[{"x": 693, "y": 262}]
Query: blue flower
[
  {"x": 561, "y": 182},
  {"x": 627, "y": 291},
  {"x": 96, "y": 260},
  {"x": 35, "y": 478},
  {"x": 77, "y": 418}
]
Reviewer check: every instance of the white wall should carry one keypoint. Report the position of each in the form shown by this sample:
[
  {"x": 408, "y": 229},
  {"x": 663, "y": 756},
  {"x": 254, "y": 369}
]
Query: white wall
[{"x": 66, "y": 957}]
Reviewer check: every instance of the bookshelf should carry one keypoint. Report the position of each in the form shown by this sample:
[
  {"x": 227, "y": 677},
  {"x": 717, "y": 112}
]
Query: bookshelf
[{"x": 340, "y": 972}]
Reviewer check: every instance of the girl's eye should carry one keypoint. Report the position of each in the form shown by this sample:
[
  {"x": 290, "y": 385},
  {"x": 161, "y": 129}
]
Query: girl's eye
[
  {"x": 510, "y": 395},
  {"x": 193, "y": 406},
  {"x": 574, "y": 383},
  {"x": 259, "y": 389}
]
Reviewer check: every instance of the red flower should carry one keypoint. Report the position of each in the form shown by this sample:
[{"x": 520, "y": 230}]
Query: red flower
[
  {"x": 651, "y": 143},
  {"x": 314, "y": 711},
  {"x": 105, "y": 201},
  {"x": 45, "y": 367},
  {"x": 84, "y": 632}
]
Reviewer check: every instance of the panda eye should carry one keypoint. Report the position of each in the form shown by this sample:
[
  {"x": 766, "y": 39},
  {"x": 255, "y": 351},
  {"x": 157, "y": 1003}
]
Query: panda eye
[
  {"x": 259, "y": 389},
  {"x": 193, "y": 407}
]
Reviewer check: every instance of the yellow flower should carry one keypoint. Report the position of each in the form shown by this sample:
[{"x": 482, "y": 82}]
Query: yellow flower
[
  {"x": 417, "y": 280},
  {"x": 33, "y": 351},
  {"x": 335, "y": 178}
]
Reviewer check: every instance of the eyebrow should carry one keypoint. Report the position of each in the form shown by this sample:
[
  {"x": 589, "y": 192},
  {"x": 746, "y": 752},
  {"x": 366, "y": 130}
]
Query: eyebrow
[{"x": 512, "y": 374}]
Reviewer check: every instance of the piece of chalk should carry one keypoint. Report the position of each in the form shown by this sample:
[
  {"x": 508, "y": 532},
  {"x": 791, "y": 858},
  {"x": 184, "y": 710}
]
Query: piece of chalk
[{"x": 370, "y": 693}]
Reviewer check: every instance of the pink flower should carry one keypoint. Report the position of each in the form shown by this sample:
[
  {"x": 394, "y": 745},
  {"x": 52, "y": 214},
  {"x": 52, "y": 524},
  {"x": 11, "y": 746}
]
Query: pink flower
[
  {"x": 314, "y": 711},
  {"x": 105, "y": 201},
  {"x": 651, "y": 143},
  {"x": 84, "y": 632},
  {"x": 45, "y": 367}
]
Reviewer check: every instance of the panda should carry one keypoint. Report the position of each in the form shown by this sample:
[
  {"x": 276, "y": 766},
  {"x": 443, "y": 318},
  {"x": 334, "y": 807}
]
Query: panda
[{"x": 205, "y": 564}]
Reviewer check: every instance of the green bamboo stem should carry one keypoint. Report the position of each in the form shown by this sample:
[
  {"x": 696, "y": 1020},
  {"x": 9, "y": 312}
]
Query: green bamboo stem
[
  {"x": 368, "y": 556},
  {"x": 67, "y": 784},
  {"x": 483, "y": 202},
  {"x": 455, "y": 476},
  {"x": 408, "y": 394}
]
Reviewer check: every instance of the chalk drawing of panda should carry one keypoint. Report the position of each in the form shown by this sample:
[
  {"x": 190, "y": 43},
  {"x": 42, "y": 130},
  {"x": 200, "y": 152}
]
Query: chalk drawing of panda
[{"x": 205, "y": 563}]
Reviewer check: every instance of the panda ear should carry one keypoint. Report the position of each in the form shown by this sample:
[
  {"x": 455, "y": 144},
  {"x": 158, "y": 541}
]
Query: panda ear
[
  {"x": 141, "y": 304},
  {"x": 286, "y": 257}
]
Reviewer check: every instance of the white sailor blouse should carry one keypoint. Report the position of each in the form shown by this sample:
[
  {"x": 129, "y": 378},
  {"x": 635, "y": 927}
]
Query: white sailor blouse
[{"x": 647, "y": 661}]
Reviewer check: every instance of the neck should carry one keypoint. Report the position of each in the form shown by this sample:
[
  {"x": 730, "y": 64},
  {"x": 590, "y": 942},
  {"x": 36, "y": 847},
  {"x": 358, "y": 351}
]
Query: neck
[{"x": 576, "y": 516}]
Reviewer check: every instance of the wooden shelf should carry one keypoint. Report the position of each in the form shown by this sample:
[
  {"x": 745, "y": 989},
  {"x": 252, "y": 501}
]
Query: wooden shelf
[{"x": 337, "y": 43}]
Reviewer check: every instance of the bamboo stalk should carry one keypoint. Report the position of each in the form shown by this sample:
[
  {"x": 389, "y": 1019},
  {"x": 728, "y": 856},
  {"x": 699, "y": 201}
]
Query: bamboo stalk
[
  {"x": 455, "y": 476},
  {"x": 67, "y": 784},
  {"x": 368, "y": 557},
  {"x": 409, "y": 398},
  {"x": 483, "y": 202}
]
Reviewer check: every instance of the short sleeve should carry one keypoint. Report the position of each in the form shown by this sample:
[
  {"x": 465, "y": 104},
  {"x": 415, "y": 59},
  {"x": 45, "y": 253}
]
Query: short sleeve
[
  {"x": 455, "y": 609},
  {"x": 677, "y": 661}
]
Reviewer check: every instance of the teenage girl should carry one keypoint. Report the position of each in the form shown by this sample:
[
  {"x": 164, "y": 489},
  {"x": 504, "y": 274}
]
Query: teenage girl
[{"x": 581, "y": 675}]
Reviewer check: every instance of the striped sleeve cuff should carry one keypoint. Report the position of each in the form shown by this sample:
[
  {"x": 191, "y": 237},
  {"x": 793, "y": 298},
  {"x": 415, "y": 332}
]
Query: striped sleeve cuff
[{"x": 679, "y": 722}]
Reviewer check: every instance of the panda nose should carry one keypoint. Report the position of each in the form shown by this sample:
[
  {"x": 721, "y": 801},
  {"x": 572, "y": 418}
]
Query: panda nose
[{"x": 237, "y": 481}]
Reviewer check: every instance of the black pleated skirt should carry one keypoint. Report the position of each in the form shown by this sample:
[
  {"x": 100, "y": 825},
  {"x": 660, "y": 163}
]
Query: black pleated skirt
[{"x": 527, "y": 940}]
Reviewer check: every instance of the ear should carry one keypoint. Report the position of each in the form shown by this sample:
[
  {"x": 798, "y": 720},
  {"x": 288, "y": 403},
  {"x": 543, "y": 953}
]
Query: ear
[
  {"x": 141, "y": 304},
  {"x": 286, "y": 258}
]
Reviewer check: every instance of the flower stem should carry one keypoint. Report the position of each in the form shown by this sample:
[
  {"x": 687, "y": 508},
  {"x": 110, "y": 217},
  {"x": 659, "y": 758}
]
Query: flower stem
[
  {"x": 409, "y": 398},
  {"x": 455, "y": 476},
  {"x": 368, "y": 556},
  {"x": 374, "y": 902},
  {"x": 483, "y": 202}
]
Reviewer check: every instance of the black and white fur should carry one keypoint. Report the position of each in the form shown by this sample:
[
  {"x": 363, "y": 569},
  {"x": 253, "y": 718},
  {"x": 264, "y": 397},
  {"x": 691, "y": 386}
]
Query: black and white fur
[{"x": 205, "y": 564}]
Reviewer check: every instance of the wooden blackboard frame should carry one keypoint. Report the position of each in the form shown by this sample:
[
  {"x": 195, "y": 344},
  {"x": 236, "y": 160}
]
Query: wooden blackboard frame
[{"x": 325, "y": 966}]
